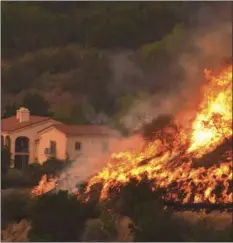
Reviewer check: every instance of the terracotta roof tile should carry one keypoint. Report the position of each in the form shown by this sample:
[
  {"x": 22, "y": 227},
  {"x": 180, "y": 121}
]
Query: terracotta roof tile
[
  {"x": 83, "y": 130},
  {"x": 11, "y": 123}
]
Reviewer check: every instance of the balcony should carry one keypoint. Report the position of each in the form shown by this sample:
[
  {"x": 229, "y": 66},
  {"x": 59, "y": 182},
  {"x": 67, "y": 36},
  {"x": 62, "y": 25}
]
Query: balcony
[{"x": 50, "y": 152}]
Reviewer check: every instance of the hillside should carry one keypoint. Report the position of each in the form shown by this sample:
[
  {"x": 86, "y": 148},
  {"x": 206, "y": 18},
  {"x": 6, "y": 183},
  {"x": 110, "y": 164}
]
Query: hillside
[{"x": 88, "y": 62}]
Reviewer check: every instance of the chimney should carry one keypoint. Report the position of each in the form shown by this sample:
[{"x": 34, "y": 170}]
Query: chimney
[{"x": 23, "y": 114}]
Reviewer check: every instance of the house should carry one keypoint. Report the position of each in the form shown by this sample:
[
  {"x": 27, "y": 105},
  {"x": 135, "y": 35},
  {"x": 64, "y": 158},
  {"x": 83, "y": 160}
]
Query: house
[
  {"x": 35, "y": 139},
  {"x": 74, "y": 141}
]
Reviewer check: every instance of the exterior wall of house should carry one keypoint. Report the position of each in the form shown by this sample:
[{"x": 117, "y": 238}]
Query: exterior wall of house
[
  {"x": 32, "y": 134},
  {"x": 91, "y": 146},
  {"x": 45, "y": 137}
]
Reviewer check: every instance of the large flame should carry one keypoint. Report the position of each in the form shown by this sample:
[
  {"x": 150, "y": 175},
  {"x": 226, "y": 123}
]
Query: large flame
[
  {"x": 168, "y": 160},
  {"x": 213, "y": 123},
  {"x": 173, "y": 168}
]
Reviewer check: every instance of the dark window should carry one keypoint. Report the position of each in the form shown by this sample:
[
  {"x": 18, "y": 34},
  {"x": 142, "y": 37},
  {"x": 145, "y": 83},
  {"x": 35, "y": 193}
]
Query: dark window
[
  {"x": 53, "y": 147},
  {"x": 77, "y": 146},
  {"x": 22, "y": 145}
]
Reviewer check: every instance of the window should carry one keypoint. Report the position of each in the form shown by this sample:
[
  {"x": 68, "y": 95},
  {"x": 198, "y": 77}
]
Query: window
[
  {"x": 78, "y": 146},
  {"x": 53, "y": 147}
]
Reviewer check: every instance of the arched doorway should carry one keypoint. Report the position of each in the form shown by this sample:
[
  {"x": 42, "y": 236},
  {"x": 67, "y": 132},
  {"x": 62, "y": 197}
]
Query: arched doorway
[{"x": 21, "y": 152}]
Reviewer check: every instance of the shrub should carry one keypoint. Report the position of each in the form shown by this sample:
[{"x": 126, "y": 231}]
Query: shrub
[
  {"x": 123, "y": 200},
  {"x": 5, "y": 160},
  {"x": 15, "y": 178},
  {"x": 101, "y": 229},
  {"x": 53, "y": 166},
  {"x": 35, "y": 166},
  {"x": 31, "y": 175},
  {"x": 152, "y": 223},
  {"x": 204, "y": 231},
  {"x": 93, "y": 231},
  {"x": 34, "y": 172},
  {"x": 14, "y": 207},
  {"x": 58, "y": 217}
]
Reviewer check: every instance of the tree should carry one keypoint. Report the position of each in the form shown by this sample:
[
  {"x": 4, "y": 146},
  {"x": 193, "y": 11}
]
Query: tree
[
  {"x": 10, "y": 110},
  {"x": 6, "y": 159},
  {"x": 157, "y": 125},
  {"x": 52, "y": 166},
  {"x": 36, "y": 104},
  {"x": 58, "y": 217}
]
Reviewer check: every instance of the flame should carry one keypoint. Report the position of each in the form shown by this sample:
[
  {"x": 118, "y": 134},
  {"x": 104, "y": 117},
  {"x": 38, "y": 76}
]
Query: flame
[
  {"x": 170, "y": 165},
  {"x": 213, "y": 123},
  {"x": 45, "y": 185},
  {"x": 168, "y": 161}
]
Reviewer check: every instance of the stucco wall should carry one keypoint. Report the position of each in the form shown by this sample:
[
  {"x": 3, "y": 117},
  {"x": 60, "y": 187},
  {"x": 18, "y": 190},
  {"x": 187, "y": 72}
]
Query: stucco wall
[
  {"x": 44, "y": 142},
  {"x": 32, "y": 134},
  {"x": 91, "y": 146}
]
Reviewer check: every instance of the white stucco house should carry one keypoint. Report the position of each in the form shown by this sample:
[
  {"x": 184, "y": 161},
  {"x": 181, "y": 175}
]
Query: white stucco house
[{"x": 35, "y": 139}]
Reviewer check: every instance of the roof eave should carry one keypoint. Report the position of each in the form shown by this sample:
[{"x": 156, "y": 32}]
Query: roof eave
[{"x": 25, "y": 127}]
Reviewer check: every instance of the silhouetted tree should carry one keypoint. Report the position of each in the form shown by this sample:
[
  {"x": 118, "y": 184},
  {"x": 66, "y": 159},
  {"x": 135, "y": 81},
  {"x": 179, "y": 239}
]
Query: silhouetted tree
[
  {"x": 10, "y": 110},
  {"x": 5, "y": 159},
  {"x": 36, "y": 104}
]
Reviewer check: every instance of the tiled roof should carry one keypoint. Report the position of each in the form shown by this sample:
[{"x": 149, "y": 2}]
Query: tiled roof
[
  {"x": 11, "y": 124},
  {"x": 82, "y": 130}
]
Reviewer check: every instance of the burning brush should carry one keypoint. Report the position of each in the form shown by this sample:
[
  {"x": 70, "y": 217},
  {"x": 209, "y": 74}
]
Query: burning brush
[
  {"x": 46, "y": 185},
  {"x": 170, "y": 160}
]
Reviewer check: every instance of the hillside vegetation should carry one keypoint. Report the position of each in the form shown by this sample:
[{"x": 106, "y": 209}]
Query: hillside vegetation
[{"x": 86, "y": 62}]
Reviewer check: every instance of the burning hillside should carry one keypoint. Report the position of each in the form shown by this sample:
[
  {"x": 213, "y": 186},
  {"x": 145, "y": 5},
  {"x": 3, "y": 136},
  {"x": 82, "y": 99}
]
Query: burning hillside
[{"x": 169, "y": 160}]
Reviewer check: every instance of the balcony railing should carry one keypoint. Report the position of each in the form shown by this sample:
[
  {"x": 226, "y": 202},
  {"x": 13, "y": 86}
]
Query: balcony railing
[{"x": 49, "y": 152}]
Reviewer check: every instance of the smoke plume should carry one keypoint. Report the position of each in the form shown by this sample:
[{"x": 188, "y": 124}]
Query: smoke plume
[{"x": 206, "y": 43}]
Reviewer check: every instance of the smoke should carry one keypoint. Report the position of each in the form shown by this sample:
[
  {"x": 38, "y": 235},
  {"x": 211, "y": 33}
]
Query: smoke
[
  {"x": 79, "y": 172},
  {"x": 205, "y": 43},
  {"x": 83, "y": 168},
  {"x": 125, "y": 73}
]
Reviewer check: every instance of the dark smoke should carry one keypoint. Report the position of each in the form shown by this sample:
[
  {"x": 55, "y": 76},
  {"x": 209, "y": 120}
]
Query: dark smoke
[{"x": 206, "y": 42}]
